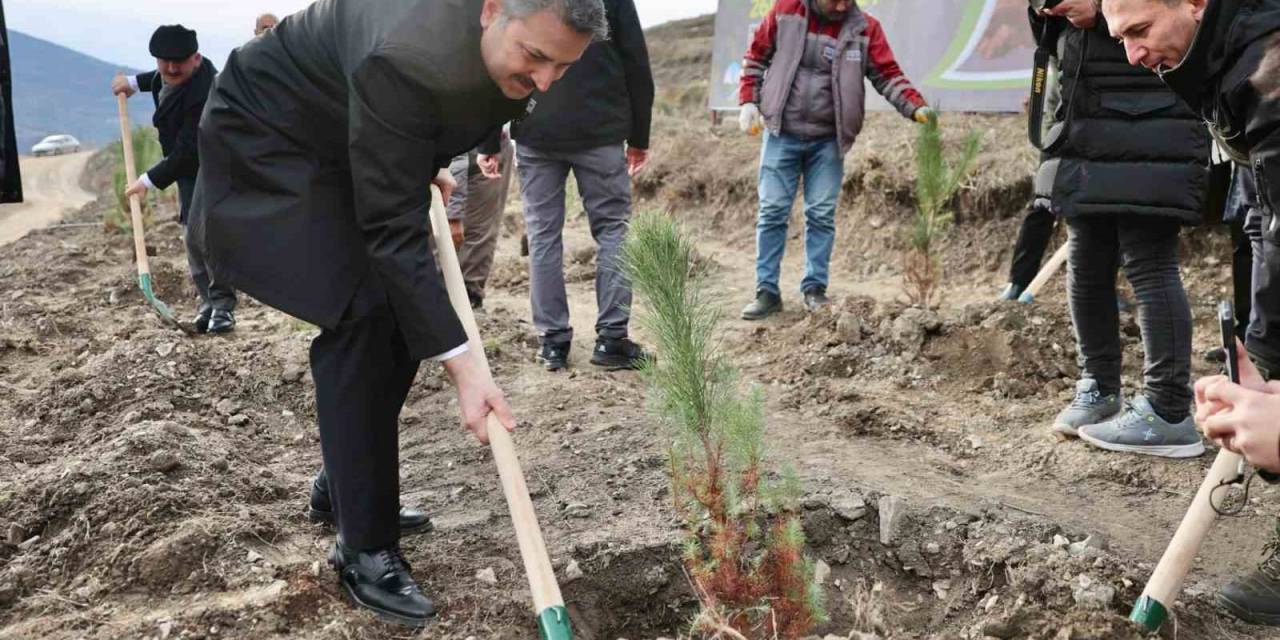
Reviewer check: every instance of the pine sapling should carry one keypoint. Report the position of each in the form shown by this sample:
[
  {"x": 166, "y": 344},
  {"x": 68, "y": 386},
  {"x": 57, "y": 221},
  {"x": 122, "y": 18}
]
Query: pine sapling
[
  {"x": 744, "y": 544},
  {"x": 937, "y": 181}
]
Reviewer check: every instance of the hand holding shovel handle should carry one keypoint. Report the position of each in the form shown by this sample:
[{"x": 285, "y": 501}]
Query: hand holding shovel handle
[{"x": 553, "y": 618}]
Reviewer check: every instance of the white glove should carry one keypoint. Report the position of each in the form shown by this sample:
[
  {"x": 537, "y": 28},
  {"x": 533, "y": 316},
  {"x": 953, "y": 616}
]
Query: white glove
[{"x": 749, "y": 119}]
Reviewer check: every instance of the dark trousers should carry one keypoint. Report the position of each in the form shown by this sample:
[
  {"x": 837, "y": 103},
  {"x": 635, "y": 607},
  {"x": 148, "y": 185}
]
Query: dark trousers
[
  {"x": 363, "y": 373},
  {"x": 1263, "y": 342},
  {"x": 1147, "y": 249},
  {"x": 213, "y": 295},
  {"x": 1033, "y": 239},
  {"x": 606, "y": 195},
  {"x": 1241, "y": 275}
]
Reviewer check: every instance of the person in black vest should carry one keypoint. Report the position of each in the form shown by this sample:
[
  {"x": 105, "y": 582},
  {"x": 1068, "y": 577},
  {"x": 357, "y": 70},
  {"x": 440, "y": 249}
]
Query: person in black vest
[
  {"x": 179, "y": 86},
  {"x": 321, "y": 140},
  {"x": 1125, "y": 166}
]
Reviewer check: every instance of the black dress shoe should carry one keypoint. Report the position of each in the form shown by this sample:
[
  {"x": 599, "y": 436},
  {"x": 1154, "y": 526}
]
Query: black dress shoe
[
  {"x": 320, "y": 510},
  {"x": 201, "y": 321},
  {"x": 381, "y": 582},
  {"x": 221, "y": 321}
]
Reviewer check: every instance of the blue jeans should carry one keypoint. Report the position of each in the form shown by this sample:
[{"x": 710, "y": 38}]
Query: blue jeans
[{"x": 783, "y": 160}]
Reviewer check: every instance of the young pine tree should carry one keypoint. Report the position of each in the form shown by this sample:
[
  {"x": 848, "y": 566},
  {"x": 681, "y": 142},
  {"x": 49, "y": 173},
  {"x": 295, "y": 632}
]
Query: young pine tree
[
  {"x": 937, "y": 180},
  {"x": 744, "y": 544}
]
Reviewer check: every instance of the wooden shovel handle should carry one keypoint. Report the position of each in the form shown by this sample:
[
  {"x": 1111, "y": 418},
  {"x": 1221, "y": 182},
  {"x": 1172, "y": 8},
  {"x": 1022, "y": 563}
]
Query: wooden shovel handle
[
  {"x": 537, "y": 564},
  {"x": 1048, "y": 270},
  {"x": 1166, "y": 581},
  {"x": 131, "y": 176}
]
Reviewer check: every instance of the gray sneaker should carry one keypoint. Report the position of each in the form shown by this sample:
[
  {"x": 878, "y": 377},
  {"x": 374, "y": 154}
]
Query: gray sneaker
[
  {"x": 1140, "y": 430},
  {"x": 1090, "y": 406}
]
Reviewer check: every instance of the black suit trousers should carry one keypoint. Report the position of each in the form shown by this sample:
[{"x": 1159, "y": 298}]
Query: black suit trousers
[{"x": 363, "y": 373}]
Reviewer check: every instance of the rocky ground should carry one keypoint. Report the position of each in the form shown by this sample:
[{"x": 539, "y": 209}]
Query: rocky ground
[{"x": 152, "y": 485}]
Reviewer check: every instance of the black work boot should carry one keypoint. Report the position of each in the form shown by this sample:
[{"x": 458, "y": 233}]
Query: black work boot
[
  {"x": 554, "y": 356},
  {"x": 475, "y": 298},
  {"x": 1255, "y": 596},
  {"x": 765, "y": 305},
  {"x": 320, "y": 509},
  {"x": 381, "y": 582},
  {"x": 201, "y": 321},
  {"x": 618, "y": 353},
  {"x": 221, "y": 321},
  {"x": 816, "y": 298}
]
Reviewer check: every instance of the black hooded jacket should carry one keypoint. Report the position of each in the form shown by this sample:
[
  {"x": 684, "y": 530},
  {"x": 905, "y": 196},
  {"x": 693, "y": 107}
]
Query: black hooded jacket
[{"x": 1231, "y": 76}]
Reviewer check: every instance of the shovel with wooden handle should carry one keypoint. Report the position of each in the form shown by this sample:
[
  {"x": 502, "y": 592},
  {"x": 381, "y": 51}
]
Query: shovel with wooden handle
[
  {"x": 1047, "y": 272},
  {"x": 135, "y": 212},
  {"x": 1152, "y": 608},
  {"x": 553, "y": 618}
]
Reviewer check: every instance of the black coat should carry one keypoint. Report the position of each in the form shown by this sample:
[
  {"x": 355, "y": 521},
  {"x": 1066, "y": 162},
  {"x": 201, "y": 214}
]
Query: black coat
[
  {"x": 604, "y": 98},
  {"x": 1220, "y": 78},
  {"x": 320, "y": 140},
  {"x": 1130, "y": 145},
  {"x": 178, "y": 120}
]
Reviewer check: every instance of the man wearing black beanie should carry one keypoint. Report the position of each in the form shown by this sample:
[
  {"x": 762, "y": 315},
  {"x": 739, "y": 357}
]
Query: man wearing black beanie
[{"x": 179, "y": 86}]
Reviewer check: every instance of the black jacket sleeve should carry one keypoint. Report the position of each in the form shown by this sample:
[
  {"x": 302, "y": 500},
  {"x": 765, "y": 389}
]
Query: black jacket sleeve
[
  {"x": 1262, "y": 129},
  {"x": 183, "y": 160},
  {"x": 146, "y": 80},
  {"x": 627, "y": 37},
  {"x": 392, "y": 152},
  {"x": 492, "y": 143}
]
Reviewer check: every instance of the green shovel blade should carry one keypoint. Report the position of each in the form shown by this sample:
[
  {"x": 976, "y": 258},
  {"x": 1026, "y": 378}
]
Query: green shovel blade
[
  {"x": 553, "y": 624},
  {"x": 1148, "y": 612}
]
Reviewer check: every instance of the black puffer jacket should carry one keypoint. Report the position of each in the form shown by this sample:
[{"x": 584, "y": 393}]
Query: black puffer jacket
[{"x": 1129, "y": 144}]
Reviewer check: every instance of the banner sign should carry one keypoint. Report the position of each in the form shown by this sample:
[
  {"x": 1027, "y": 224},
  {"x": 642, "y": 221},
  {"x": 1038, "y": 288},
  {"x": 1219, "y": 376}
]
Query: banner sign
[{"x": 964, "y": 55}]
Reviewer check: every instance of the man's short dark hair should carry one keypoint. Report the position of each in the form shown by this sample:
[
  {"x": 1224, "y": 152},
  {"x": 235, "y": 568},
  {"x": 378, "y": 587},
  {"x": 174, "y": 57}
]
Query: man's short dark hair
[{"x": 583, "y": 16}]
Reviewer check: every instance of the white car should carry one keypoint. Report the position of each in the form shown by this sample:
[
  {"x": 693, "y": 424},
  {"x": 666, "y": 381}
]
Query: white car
[{"x": 56, "y": 145}]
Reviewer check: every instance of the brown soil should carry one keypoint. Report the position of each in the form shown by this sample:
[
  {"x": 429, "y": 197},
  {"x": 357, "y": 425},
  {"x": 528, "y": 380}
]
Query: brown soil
[{"x": 152, "y": 485}]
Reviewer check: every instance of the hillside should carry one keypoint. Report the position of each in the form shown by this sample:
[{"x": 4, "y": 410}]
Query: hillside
[
  {"x": 59, "y": 90},
  {"x": 153, "y": 484}
]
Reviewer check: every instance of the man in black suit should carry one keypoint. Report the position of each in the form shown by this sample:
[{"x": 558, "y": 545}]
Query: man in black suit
[
  {"x": 320, "y": 141},
  {"x": 179, "y": 86}
]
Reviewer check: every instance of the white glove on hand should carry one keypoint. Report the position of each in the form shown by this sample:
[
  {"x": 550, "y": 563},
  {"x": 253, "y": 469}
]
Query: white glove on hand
[{"x": 749, "y": 119}]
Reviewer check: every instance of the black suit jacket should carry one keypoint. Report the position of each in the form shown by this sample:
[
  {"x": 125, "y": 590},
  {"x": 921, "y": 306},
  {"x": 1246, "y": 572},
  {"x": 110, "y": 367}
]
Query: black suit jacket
[
  {"x": 178, "y": 120},
  {"x": 319, "y": 142}
]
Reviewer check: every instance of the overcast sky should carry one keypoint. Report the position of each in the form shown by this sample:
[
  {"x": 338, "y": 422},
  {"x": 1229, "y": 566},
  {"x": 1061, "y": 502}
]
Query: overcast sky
[{"x": 118, "y": 30}]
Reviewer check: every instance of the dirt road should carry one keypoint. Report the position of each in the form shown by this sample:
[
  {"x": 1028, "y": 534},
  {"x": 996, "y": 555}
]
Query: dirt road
[{"x": 51, "y": 187}]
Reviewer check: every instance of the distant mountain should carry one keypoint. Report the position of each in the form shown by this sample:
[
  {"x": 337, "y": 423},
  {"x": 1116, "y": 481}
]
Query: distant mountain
[{"x": 59, "y": 90}]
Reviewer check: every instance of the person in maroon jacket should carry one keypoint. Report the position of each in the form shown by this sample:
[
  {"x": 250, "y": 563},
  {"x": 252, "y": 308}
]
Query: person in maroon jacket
[{"x": 811, "y": 105}]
